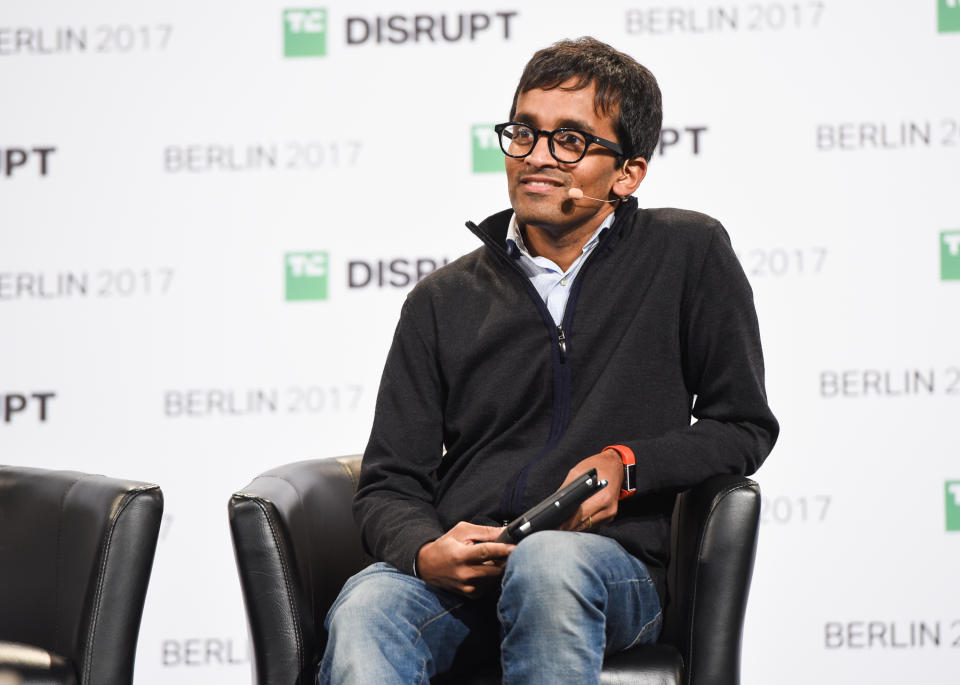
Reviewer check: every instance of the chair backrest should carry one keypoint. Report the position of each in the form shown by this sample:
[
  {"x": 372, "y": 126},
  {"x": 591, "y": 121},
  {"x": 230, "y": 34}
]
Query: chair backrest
[
  {"x": 304, "y": 506},
  {"x": 76, "y": 551}
]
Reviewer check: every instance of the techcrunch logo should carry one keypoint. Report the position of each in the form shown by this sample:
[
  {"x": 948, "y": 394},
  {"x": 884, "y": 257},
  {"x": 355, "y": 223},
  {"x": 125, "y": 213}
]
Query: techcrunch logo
[
  {"x": 305, "y": 29},
  {"x": 950, "y": 255},
  {"x": 487, "y": 155},
  {"x": 305, "y": 32},
  {"x": 948, "y": 15},
  {"x": 952, "y": 493},
  {"x": 306, "y": 275}
]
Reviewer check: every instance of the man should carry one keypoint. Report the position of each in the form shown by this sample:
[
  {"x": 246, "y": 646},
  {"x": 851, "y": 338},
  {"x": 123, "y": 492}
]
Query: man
[{"x": 584, "y": 333}]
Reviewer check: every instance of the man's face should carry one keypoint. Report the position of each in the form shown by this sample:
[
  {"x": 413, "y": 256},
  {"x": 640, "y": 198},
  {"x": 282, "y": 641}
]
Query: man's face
[{"x": 538, "y": 183}]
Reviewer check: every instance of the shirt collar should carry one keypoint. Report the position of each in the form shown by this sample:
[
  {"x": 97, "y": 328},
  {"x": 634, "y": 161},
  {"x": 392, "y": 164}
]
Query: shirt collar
[{"x": 516, "y": 247}]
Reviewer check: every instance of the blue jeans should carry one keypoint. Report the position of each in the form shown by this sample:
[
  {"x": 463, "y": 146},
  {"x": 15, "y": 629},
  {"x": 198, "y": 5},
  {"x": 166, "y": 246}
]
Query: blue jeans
[{"x": 566, "y": 599}]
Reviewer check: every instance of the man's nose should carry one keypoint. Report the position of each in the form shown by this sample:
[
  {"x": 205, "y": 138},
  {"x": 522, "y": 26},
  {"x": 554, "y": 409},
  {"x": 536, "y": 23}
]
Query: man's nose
[{"x": 540, "y": 154}]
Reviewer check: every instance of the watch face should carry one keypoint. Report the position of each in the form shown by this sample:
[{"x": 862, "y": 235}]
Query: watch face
[{"x": 629, "y": 477}]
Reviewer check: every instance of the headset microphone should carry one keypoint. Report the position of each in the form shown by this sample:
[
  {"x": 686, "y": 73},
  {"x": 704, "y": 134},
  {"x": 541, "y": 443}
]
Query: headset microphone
[{"x": 577, "y": 194}]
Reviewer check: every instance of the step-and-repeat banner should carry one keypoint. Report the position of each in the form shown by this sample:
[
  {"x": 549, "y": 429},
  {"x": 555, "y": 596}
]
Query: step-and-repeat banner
[{"x": 210, "y": 214}]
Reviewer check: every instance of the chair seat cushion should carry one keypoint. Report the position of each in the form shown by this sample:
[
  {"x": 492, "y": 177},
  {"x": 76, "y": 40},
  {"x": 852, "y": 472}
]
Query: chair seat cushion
[{"x": 27, "y": 665}]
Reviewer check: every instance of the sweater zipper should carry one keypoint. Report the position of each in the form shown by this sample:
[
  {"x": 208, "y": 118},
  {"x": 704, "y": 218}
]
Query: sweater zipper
[
  {"x": 561, "y": 413},
  {"x": 512, "y": 500},
  {"x": 562, "y": 341}
]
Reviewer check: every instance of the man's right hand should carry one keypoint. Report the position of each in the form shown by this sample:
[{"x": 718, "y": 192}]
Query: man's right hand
[{"x": 464, "y": 560}]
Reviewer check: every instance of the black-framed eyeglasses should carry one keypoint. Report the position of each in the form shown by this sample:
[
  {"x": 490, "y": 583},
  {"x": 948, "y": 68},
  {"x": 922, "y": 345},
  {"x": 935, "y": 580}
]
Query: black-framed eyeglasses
[{"x": 567, "y": 145}]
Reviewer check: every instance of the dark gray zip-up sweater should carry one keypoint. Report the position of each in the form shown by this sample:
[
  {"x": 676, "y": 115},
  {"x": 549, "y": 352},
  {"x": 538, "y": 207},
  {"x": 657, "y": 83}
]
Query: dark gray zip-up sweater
[{"x": 660, "y": 315}]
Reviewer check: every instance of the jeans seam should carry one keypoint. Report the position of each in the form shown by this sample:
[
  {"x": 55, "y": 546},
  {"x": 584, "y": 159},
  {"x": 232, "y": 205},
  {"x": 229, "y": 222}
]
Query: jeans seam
[
  {"x": 423, "y": 663},
  {"x": 649, "y": 624},
  {"x": 434, "y": 618},
  {"x": 646, "y": 629}
]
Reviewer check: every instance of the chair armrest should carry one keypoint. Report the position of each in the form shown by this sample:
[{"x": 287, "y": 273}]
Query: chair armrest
[
  {"x": 295, "y": 544},
  {"x": 714, "y": 543},
  {"x": 118, "y": 585},
  {"x": 78, "y": 551}
]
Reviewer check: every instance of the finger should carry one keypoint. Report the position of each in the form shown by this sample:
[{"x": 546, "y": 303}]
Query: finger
[
  {"x": 603, "y": 498},
  {"x": 573, "y": 523},
  {"x": 489, "y": 551},
  {"x": 485, "y": 572},
  {"x": 601, "y": 516},
  {"x": 607, "y": 513},
  {"x": 497, "y": 563},
  {"x": 474, "y": 533},
  {"x": 478, "y": 576},
  {"x": 585, "y": 523}
]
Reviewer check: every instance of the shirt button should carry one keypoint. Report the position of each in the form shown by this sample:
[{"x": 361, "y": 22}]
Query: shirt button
[{"x": 563, "y": 281}]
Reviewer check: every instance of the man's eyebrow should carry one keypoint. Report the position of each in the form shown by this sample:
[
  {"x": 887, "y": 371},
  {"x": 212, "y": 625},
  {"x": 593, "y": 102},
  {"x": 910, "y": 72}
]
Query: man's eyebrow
[
  {"x": 525, "y": 119},
  {"x": 576, "y": 123},
  {"x": 531, "y": 120}
]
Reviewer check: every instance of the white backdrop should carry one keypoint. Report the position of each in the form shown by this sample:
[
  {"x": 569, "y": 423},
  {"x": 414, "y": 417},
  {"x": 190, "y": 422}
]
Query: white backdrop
[{"x": 171, "y": 183}]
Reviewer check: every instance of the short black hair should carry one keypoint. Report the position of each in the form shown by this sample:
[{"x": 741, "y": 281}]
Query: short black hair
[{"x": 623, "y": 85}]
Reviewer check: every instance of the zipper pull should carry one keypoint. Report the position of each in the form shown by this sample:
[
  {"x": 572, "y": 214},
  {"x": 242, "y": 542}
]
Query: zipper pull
[{"x": 562, "y": 339}]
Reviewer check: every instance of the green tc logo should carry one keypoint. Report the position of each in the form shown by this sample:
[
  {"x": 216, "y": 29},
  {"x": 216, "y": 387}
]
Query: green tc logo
[
  {"x": 305, "y": 32},
  {"x": 953, "y": 504},
  {"x": 950, "y": 254},
  {"x": 487, "y": 155},
  {"x": 306, "y": 275},
  {"x": 948, "y": 15}
]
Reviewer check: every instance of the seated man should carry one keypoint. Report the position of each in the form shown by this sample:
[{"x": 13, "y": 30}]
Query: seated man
[{"x": 585, "y": 332}]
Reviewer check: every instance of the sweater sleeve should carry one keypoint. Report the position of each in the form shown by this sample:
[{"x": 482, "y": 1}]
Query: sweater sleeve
[
  {"x": 723, "y": 368},
  {"x": 394, "y": 502}
]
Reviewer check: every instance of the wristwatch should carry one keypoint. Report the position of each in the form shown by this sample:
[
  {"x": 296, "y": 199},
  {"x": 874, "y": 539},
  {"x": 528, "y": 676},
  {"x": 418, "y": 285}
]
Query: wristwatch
[{"x": 629, "y": 486}]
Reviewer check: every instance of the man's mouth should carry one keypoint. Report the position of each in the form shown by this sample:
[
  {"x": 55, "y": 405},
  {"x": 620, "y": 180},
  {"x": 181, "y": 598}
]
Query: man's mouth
[{"x": 540, "y": 184}]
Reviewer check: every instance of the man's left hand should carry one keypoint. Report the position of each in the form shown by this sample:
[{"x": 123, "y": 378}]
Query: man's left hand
[{"x": 601, "y": 507}]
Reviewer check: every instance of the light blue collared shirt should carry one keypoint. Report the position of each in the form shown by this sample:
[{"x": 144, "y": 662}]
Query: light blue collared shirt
[{"x": 550, "y": 280}]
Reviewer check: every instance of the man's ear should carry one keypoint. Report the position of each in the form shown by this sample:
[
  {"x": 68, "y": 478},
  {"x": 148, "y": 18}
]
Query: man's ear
[{"x": 629, "y": 176}]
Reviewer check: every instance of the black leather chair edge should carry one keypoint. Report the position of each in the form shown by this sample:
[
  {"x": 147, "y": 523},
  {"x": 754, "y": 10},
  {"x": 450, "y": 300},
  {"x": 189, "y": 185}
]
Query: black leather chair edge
[
  {"x": 81, "y": 549},
  {"x": 303, "y": 506},
  {"x": 275, "y": 615},
  {"x": 115, "y": 609},
  {"x": 713, "y": 550}
]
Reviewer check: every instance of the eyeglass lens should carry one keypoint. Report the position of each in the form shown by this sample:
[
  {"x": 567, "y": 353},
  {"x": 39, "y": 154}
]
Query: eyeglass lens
[{"x": 567, "y": 146}]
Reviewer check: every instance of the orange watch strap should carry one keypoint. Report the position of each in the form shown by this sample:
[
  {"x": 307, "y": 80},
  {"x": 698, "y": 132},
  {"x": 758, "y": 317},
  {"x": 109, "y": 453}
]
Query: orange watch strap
[{"x": 628, "y": 458}]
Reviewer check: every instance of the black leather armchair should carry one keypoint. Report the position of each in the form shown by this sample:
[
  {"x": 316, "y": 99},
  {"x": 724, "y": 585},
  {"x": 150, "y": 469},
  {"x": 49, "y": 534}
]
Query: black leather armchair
[
  {"x": 76, "y": 552},
  {"x": 296, "y": 543}
]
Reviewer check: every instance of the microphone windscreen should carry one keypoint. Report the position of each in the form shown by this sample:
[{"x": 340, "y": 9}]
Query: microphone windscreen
[{"x": 575, "y": 194}]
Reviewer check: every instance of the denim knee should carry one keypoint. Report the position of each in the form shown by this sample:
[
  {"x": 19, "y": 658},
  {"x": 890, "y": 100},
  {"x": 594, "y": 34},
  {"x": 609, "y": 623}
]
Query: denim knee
[
  {"x": 549, "y": 559},
  {"x": 388, "y": 627},
  {"x": 366, "y": 598}
]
